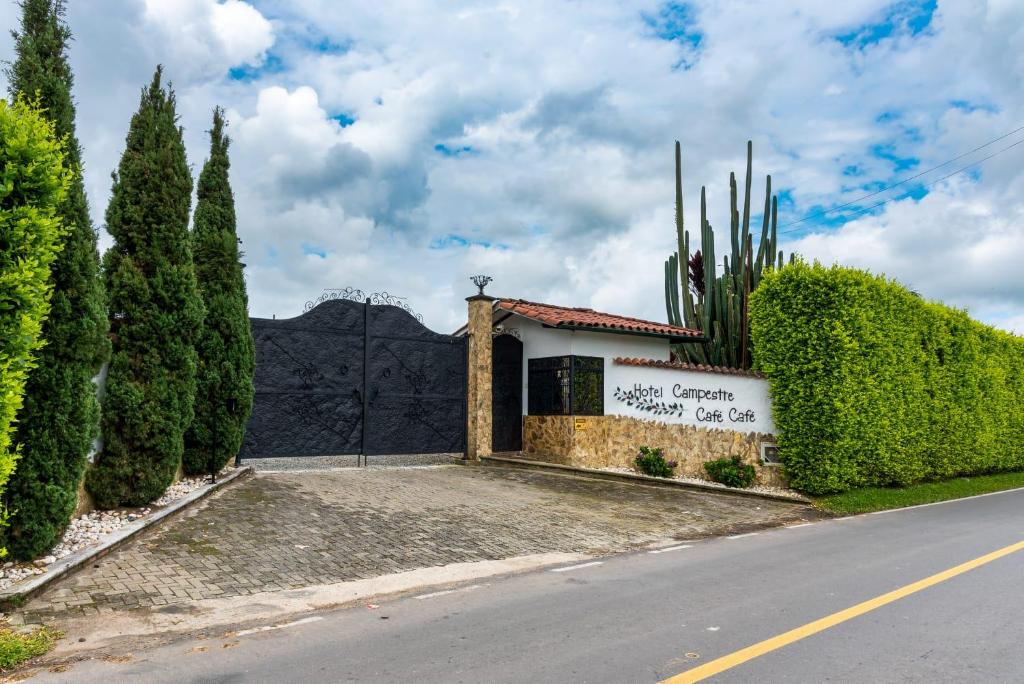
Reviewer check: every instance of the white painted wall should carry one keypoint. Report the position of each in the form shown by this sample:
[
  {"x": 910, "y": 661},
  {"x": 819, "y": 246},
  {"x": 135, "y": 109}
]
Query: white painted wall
[
  {"x": 711, "y": 400},
  {"x": 715, "y": 400}
]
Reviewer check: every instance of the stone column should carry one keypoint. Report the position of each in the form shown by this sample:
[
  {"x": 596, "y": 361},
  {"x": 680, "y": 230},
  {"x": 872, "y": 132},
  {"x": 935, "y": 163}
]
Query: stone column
[{"x": 478, "y": 433}]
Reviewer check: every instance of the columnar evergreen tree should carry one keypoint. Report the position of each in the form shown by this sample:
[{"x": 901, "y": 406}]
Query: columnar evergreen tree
[
  {"x": 33, "y": 183},
  {"x": 225, "y": 348},
  {"x": 61, "y": 414},
  {"x": 155, "y": 310}
]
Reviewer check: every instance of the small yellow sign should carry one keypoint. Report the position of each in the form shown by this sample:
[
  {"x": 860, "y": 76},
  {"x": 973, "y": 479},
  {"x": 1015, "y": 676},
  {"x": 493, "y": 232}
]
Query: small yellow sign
[{"x": 580, "y": 423}]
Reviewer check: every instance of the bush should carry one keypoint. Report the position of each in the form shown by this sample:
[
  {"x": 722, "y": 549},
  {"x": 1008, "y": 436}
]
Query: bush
[
  {"x": 16, "y": 647},
  {"x": 732, "y": 472},
  {"x": 155, "y": 311},
  {"x": 60, "y": 417},
  {"x": 33, "y": 183},
  {"x": 873, "y": 386},
  {"x": 652, "y": 462}
]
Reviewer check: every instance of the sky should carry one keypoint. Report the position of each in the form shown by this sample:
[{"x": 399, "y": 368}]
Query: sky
[{"x": 402, "y": 146}]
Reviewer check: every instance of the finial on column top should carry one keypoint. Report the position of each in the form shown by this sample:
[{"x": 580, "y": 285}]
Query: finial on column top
[{"x": 481, "y": 281}]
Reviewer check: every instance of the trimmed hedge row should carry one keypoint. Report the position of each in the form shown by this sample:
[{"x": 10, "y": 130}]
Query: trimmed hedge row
[{"x": 873, "y": 386}]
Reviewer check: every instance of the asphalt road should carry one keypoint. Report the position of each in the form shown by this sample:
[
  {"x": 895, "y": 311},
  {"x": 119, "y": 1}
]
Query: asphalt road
[{"x": 646, "y": 617}]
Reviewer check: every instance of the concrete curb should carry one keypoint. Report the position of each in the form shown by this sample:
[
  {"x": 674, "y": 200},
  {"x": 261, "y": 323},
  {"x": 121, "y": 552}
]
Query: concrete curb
[
  {"x": 638, "y": 479},
  {"x": 18, "y": 594}
]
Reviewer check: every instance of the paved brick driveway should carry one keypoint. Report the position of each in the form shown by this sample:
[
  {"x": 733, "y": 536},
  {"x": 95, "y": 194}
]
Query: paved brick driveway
[{"x": 289, "y": 530}]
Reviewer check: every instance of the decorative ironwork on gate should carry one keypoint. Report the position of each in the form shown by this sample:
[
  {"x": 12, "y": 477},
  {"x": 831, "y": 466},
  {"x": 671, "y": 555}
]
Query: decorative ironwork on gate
[
  {"x": 355, "y": 295},
  {"x": 355, "y": 377}
]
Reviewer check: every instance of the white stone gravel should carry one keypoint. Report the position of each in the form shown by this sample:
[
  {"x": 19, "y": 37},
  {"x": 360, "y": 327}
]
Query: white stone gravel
[
  {"x": 761, "y": 489},
  {"x": 94, "y": 527}
]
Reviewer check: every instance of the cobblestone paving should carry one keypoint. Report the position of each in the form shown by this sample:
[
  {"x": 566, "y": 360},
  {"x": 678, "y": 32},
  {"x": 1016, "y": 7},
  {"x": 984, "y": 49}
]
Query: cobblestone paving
[{"x": 281, "y": 531}]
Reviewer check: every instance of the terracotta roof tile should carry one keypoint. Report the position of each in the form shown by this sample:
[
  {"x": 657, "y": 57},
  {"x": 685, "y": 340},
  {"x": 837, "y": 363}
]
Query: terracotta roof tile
[
  {"x": 565, "y": 317},
  {"x": 678, "y": 365}
]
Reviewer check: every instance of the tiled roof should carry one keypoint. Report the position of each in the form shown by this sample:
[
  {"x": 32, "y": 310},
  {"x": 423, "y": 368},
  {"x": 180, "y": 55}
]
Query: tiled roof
[
  {"x": 678, "y": 365},
  {"x": 565, "y": 317}
]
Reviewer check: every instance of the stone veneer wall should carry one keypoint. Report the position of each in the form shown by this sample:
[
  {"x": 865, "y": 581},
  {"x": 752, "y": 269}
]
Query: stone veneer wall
[{"x": 614, "y": 441}]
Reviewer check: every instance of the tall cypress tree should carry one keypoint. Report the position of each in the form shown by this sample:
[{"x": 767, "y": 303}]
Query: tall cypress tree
[
  {"x": 59, "y": 419},
  {"x": 155, "y": 310},
  {"x": 225, "y": 348}
]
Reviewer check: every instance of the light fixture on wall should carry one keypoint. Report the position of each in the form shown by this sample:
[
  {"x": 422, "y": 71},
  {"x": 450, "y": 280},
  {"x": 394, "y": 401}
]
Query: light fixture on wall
[{"x": 500, "y": 330}]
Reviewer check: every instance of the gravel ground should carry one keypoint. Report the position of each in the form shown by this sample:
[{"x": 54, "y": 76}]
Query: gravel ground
[
  {"x": 331, "y": 462},
  {"x": 92, "y": 528},
  {"x": 764, "y": 489}
]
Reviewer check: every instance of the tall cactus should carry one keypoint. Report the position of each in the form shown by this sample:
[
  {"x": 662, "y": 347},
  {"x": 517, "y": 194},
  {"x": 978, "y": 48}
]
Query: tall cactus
[{"x": 719, "y": 308}]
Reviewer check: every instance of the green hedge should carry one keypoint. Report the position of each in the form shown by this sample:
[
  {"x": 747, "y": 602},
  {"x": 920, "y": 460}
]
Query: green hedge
[
  {"x": 33, "y": 183},
  {"x": 873, "y": 386}
]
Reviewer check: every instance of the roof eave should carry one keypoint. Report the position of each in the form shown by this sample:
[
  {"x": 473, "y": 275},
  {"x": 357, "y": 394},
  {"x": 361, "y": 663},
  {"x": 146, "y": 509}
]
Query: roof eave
[{"x": 674, "y": 339}]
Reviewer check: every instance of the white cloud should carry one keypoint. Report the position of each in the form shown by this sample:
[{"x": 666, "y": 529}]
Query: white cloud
[
  {"x": 205, "y": 37},
  {"x": 533, "y": 140}
]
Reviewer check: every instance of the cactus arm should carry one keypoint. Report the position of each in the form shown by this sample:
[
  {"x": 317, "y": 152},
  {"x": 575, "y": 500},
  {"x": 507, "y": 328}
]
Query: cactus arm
[
  {"x": 745, "y": 227},
  {"x": 764, "y": 245},
  {"x": 682, "y": 252},
  {"x": 671, "y": 294},
  {"x": 734, "y": 221},
  {"x": 775, "y": 226}
]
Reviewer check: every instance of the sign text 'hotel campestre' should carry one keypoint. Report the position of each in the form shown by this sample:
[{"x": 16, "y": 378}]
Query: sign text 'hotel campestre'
[{"x": 691, "y": 398}]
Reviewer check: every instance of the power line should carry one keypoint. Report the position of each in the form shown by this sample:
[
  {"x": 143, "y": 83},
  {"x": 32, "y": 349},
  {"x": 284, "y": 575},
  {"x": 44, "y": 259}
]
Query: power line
[
  {"x": 926, "y": 185},
  {"x": 905, "y": 180}
]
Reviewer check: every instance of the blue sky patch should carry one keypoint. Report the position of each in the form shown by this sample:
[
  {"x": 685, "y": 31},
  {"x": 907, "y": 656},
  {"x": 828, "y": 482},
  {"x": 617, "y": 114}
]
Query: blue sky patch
[
  {"x": 314, "y": 250},
  {"x": 455, "y": 241},
  {"x": 899, "y": 163},
  {"x": 910, "y": 17},
  {"x": 453, "y": 151},
  {"x": 968, "y": 106},
  {"x": 324, "y": 44},
  {"x": 675, "y": 22},
  {"x": 344, "y": 119},
  {"x": 246, "y": 73}
]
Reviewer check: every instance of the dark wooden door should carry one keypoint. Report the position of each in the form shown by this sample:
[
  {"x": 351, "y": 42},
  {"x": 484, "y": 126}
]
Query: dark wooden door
[{"x": 507, "y": 395}]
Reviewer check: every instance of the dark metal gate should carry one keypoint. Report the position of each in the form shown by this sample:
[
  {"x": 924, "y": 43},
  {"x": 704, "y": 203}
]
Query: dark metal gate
[
  {"x": 355, "y": 377},
  {"x": 507, "y": 394}
]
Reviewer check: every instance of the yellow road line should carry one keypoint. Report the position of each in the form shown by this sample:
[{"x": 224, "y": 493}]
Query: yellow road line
[{"x": 768, "y": 645}]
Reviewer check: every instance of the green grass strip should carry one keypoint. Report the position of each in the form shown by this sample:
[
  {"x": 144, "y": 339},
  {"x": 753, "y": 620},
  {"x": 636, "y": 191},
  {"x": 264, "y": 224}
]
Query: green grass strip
[
  {"x": 16, "y": 648},
  {"x": 872, "y": 499}
]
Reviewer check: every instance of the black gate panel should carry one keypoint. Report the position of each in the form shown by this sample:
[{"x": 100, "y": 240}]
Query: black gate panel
[
  {"x": 417, "y": 386},
  {"x": 507, "y": 394},
  {"x": 312, "y": 373}
]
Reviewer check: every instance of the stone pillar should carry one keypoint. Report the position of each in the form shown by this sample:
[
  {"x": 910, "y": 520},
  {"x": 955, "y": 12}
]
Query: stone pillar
[{"x": 478, "y": 416}]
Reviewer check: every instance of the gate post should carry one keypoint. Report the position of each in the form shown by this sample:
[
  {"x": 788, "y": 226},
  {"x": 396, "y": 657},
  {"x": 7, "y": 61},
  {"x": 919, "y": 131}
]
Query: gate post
[{"x": 478, "y": 392}]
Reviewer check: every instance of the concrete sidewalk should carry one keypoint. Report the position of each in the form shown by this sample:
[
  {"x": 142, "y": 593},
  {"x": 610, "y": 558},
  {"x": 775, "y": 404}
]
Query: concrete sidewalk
[{"x": 286, "y": 531}]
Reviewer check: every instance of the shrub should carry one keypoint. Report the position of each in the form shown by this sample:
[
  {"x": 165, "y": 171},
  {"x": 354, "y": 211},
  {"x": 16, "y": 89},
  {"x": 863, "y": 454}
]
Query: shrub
[
  {"x": 873, "y": 386},
  {"x": 732, "y": 472},
  {"x": 61, "y": 414},
  {"x": 33, "y": 183},
  {"x": 155, "y": 311},
  {"x": 17, "y": 647},
  {"x": 226, "y": 356},
  {"x": 652, "y": 462}
]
